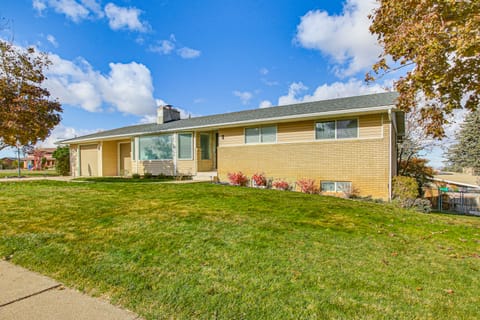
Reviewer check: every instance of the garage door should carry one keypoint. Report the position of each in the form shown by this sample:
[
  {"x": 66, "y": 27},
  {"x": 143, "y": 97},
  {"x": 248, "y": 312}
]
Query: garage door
[{"x": 89, "y": 160}]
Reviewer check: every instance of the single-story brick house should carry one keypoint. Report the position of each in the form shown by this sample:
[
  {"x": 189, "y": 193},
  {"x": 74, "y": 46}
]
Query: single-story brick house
[{"x": 341, "y": 143}]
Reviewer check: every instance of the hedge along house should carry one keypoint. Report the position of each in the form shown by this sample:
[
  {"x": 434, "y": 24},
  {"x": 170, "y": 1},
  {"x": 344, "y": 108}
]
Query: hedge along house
[{"x": 342, "y": 144}]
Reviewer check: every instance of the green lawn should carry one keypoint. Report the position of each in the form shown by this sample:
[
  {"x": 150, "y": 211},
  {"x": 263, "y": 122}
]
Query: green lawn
[
  {"x": 202, "y": 251},
  {"x": 27, "y": 173}
]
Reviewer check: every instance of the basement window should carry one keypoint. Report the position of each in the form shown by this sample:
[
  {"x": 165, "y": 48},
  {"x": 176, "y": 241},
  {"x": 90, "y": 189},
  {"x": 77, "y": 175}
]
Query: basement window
[{"x": 335, "y": 186}]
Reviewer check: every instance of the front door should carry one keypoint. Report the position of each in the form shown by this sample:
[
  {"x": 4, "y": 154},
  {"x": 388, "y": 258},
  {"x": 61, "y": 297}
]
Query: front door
[{"x": 125, "y": 159}]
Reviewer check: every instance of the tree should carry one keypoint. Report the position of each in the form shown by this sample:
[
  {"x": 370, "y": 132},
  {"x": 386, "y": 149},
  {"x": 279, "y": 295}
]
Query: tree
[
  {"x": 27, "y": 113},
  {"x": 439, "y": 44},
  {"x": 62, "y": 156},
  {"x": 466, "y": 152},
  {"x": 418, "y": 169}
]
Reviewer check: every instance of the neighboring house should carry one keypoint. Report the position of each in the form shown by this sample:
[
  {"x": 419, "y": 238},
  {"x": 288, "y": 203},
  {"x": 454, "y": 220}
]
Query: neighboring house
[
  {"x": 342, "y": 143},
  {"x": 35, "y": 158},
  {"x": 8, "y": 163},
  {"x": 457, "y": 181}
]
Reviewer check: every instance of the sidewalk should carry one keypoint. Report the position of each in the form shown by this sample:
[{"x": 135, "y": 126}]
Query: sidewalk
[{"x": 29, "y": 295}]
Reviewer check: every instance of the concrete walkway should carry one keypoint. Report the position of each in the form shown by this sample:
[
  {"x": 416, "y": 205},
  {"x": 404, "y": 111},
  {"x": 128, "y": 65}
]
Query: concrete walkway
[
  {"x": 33, "y": 178},
  {"x": 28, "y": 295}
]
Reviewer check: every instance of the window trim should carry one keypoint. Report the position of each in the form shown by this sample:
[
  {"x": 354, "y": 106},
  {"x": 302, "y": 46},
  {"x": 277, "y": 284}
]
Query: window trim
[
  {"x": 336, "y": 128},
  {"x": 335, "y": 183},
  {"x": 191, "y": 145},
  {"x": 260, "y": 134}
]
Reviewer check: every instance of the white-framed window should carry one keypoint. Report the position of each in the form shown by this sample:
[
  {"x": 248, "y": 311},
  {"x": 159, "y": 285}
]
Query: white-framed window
[
  {"x": 266, "y": 134},
  {"x": 335, "y": 186},
  {"x": 155, "y": 147},
  {"x": 336, "y": 129},
  {"x": 185, "y": 146}
]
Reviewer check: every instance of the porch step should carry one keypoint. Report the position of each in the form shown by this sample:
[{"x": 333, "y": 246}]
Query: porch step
[{"x": 205, "y": 176}]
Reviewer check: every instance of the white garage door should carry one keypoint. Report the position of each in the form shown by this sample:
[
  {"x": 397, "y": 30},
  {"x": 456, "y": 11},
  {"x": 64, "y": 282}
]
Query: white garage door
[{"x": 89, "y": 160}]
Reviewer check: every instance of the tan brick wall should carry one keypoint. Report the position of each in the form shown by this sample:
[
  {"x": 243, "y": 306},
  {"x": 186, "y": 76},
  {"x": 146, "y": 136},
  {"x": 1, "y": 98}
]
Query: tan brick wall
[
  {"x": 364, "y": 161},
  {"x": 186, "y": 167}
]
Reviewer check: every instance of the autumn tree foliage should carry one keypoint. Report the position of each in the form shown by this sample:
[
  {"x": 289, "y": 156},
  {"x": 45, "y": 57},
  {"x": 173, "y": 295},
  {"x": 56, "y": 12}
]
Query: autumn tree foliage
[
  {"x": 438, "y": 43},
  {"x": 466, "y": 152},
  {"x": 27, "y": 113}
]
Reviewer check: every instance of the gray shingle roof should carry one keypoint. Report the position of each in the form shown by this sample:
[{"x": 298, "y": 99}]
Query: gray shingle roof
[{"x": 294, "y": 110}]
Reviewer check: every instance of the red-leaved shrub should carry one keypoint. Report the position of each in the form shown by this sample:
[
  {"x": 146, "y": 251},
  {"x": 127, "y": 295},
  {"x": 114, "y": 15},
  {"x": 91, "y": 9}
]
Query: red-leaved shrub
[
  {"x": 259, "y": 180},
  {"x": 307, "y": 186},
  {"x": 280, "y": 185},
  {"x": 237, "y": 178}
]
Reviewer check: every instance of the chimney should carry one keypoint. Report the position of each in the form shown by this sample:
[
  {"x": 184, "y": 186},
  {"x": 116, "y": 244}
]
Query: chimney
[{"x": 166, "y": 114}]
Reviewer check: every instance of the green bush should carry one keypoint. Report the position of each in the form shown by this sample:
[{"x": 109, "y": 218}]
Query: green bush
[
  {"x": 135, "y": 176},
  {"x": 62, "y": 163},
  {"x": 404, "y": 188},
  {"x": 147, "y": 175}
]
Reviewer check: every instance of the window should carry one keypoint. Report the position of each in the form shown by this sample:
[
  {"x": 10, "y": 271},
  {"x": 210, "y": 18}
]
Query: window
[
  {"x": 347, "y": 129},
  {"x": 261, "y": 135},
  {"x": 336, "y": 186},
  {"x": 185, "y": 145},
  {"x": 205, "y": 146},
  {"x": 325, "y": 130},
  {"x": 155, "y": 147},
  {"x": 339, "y": 129}
]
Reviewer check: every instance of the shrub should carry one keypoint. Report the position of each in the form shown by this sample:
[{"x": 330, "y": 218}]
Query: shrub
[
  {"x": 404, "y": 188},
  {"x": 307, "y": 186},
  {"x": 237, "y": 179},
  {"x": 423, "y": 205},
  {"x": 62, "y": 160},
  {"x": 135, "y": 176},
  {"x": 281, "y": 185},
  {"x": 148, "y": 175},
  {"x": 259, "y": 180}
]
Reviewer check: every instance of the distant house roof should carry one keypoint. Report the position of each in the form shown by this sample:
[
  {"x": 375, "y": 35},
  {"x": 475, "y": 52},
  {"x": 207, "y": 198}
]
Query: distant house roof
[
  {"x": 350, "y": 105},
  {"x": 459, "y": 179}
]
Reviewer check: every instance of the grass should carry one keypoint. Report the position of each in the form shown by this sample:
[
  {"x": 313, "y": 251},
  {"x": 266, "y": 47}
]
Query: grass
[
  {"x": 27, "y": 173},
  {"x": 202, "y": 251}
]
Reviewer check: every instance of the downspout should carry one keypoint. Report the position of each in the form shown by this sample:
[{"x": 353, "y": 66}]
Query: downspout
[
  {"x": 390, "y": 155},
  {"x": 175, "y": 153}
]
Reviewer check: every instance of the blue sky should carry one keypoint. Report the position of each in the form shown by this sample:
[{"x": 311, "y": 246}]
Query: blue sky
[{"x": 115, "y": 61}]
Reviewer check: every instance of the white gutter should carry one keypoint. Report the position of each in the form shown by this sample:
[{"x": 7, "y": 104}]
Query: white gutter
[{"x": 240, "y": 123}]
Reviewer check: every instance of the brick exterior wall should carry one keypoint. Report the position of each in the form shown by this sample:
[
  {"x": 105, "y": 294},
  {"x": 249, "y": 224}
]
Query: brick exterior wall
[{"x": 364, "y": 161}]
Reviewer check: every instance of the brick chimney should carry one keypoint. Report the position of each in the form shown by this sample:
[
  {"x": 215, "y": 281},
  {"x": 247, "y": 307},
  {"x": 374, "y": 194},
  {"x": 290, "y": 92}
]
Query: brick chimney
[{"x": 166, "y": 114}]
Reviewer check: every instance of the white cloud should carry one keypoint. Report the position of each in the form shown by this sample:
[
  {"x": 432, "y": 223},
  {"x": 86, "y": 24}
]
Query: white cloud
[
  {"x": 52, "y": 40},
  {"x": 265, "y": 104},
  {"x": 124, "y": 18},
  {"x": 76, "y": 10},
  {"x": 70, "y": 8},
  {"x": 328, "y": 91},
  {"x": 345, "y": 38},
  {"x": 61, "y": 132},
  {"x": 244, "y": 96},
  {"x": 167, "y": 46},
  {"x": 293, "y": 91},
  {"x": 188, "y": 53},
  {"x": 263, "y": 71},
  {"x": 127, "y": 88},
  {"x": 163, "y": 47},
  {"x": 39, "y": 5}
]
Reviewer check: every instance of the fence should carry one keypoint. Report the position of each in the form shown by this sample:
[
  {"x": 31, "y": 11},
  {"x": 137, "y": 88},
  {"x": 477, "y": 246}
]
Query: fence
[{"x": 462, "y": 201}]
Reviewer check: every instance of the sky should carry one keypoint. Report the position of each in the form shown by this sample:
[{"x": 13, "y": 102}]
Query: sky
[{"x": 115, "y": 61}]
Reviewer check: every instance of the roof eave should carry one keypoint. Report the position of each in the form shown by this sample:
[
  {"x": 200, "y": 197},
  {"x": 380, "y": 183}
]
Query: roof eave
[{"x": 317, "y": 115}]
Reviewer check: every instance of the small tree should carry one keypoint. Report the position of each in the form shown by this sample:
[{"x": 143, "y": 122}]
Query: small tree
[
  {"x": 27, "y": 114},
  {"x": 62, "y": 157}
]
